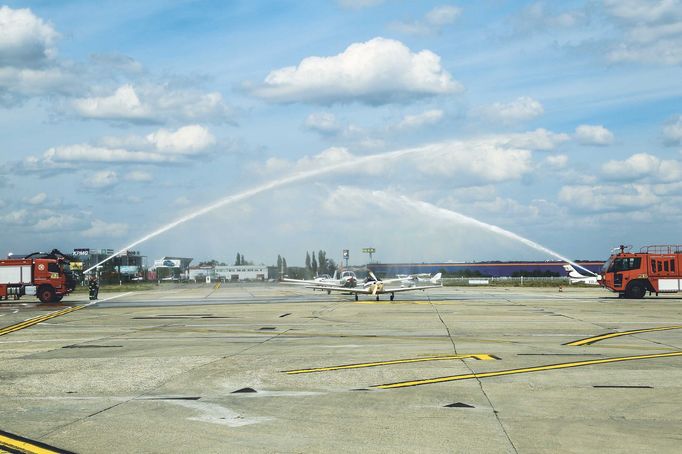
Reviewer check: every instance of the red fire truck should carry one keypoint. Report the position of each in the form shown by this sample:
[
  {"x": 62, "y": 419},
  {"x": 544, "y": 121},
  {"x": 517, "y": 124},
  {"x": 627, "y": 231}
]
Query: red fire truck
[
  {"x": 45, "y": 275},
  {"x": 654, "y": 269}
]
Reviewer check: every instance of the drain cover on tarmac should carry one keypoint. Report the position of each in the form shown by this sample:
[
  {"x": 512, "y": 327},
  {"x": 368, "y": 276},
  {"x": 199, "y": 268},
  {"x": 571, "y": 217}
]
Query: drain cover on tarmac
[
  {"x": 244, "y": 390},
  {"x": 459, "y": 405}
]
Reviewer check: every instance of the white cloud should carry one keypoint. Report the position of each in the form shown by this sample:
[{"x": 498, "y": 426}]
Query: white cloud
[
  {"x": 608, "y": 197},
  {"x": 643, "y": 165},
  {"x": 154, "y": 103},
  {"x": 377, "y": 71},
  {"x": 18, "y": 217},
  {"x": 432, "y": 22},
  {"x": 424, "y": 118},
  {"x": 101, "y": 179},
  {"x": 37, "y": 199},
  {"x": 521, "y": 109},
  {"x": 88, "y": 153},
  {"x": 644, "y": 11},
  {"x": 672, "y": 132},
  {"x": 123, "y": 104},
  {"x": 539, "y": 16},
  {"x": 26, "y": 41},
  {"x": 557, "y": 161},
  {"x": 593, "y": 135},
  {"x": 358, "y": 4},
  {"x": 443, "y": 15},
  {"x": 186, "y": 140},
  {"x": 482, "y": 160},
  {"x": 28, "y": 66},
  {"x": 470, "y": 162},
  {"x": 160, "y": 147},
  {"x": 540, "y": 139},
  {"x": 652, "y": 31},
  {"x": 138, "y": 175},
  {"x": 56, "y": 222},
  {"x": 101, "y": 229},
  {"x": 324, "y": 123}
]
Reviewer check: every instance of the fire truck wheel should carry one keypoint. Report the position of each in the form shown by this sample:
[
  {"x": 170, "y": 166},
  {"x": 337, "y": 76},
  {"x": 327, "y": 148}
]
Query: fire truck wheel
[
  {"x": 57, "y": 298},
  {"x": 46, "y": 294},
  {"x": 635, "y": 289}
]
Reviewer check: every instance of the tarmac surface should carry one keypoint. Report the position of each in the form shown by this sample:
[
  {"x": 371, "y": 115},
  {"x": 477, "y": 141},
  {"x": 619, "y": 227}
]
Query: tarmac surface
[{"x": 273, "y": 368}]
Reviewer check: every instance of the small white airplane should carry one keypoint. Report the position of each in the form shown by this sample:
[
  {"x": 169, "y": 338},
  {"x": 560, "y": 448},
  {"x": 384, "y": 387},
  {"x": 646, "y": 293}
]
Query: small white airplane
[
  {"x": 348, "y": 279},
  {"x": 373, "y": 286},
  {"x": 574, "y": 277},
  {"x": 411, "y": 280}
]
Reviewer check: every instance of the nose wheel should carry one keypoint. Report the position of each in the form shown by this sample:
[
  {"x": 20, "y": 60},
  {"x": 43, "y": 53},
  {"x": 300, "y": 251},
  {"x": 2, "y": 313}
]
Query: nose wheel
[{"x": 392, "y": 296}]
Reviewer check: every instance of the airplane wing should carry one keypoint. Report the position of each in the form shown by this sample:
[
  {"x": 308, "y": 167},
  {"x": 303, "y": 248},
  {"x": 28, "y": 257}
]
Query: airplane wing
[
  {"x": 338, "y": 288},
  {"x": 369, "y": 290},
  {"x": 298, "y": 281},
  {"x": 409, "y": 289}
]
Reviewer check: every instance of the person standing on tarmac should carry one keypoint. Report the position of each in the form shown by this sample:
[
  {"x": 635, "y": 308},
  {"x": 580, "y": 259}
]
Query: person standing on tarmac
[{"x": 93, "y": 286}]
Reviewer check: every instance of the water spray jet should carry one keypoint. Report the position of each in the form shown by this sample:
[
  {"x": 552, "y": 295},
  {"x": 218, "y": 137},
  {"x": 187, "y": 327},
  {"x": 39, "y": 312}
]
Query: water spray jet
[{"x": 350, "y": 164}]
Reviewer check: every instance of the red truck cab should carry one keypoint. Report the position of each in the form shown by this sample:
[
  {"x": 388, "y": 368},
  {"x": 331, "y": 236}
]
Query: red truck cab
[
  {"x": 655, "y": 269},
  {"x": 46, "y": 276}
]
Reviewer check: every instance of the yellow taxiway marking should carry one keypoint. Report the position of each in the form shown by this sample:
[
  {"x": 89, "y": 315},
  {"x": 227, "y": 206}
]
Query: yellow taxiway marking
[
  {"x": 42, "y": 318},
  {"x": 15, "y": 443},
  {"x": 483, "y": 357},
  {"x": 217, "y": 286},
  {"x": 428, "y": 381},
  {"x": 38, "y": 319},
  {"x": 601, "y": 337}
]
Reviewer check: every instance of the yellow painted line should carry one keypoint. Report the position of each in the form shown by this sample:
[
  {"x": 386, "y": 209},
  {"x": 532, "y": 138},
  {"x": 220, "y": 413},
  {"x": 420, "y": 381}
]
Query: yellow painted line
[
  {"x": 429, "y": 381},
  {"x": 38, "y": 319},
  {"x": 601, "y": 337},
  {"x": 217, "y": 286},
  {"x": 483, "y": 357},
  {"x": 16, "y": 443}
]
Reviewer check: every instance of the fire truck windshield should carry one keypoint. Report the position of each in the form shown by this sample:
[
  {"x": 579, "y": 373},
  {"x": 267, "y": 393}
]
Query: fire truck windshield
[
  {"x": 607, "y": 266},
  {"x": 626, "y": 264}
]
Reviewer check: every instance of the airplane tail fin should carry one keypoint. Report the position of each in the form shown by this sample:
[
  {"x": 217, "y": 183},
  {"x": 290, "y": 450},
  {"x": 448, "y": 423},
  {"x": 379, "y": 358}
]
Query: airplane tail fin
[
  {"x": 572, "y": 272},
  {"x": 436, "y": 278}
]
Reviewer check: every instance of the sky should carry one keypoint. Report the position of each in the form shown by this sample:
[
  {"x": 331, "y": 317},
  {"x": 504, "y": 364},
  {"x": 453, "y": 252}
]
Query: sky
[{"x": 558, "y": 121}]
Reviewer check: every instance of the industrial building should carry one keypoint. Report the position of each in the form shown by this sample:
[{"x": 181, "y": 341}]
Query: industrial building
[{"x": 241, "y": 272}]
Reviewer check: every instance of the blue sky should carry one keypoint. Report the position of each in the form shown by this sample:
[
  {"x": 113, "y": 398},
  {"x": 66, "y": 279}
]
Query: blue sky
[{"x": 561, "y": 122}]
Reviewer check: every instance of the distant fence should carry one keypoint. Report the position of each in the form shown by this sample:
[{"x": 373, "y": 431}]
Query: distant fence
[{"x": 512, "y": 281}]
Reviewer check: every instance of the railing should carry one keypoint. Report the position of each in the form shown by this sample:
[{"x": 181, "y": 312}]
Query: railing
[
  {"x": 464, "y": 281},
  {"x": 662, "y": 249}
]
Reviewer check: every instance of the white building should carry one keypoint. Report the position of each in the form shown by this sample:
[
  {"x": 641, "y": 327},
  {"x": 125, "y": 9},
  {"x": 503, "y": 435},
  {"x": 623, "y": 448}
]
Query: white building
[
  {"x": 242, "y": 273},
  {"x": 200, "y": 273}
]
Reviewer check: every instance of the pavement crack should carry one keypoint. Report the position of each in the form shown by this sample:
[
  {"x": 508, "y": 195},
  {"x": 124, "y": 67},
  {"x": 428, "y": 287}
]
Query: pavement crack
[{"x": 478, "y": 380}]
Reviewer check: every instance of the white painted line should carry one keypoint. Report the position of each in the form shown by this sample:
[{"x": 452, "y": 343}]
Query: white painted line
[{"x": 109, "y": 299}]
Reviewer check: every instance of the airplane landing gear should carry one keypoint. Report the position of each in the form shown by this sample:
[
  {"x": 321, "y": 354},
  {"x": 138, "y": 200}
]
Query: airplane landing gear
[
  {"x": 392, "y": 296},
  {"x": 377, "y": 297},
  {"x": 356, "y": 297}
]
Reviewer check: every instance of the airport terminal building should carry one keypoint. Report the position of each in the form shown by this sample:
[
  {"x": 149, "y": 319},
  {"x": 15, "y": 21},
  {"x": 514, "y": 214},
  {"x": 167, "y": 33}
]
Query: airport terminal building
[{"x": 483, "y": 269}]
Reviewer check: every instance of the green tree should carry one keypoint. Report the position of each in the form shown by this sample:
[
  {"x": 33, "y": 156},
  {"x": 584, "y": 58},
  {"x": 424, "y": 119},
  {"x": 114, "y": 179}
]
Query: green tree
[
  {"x": 313, "y": 264},
  {"x": 307, "y": 261},
  {"x": 238, "y": 260},
  {"x": 284, "y": 265},
  {"x": 322, "y": 262}
]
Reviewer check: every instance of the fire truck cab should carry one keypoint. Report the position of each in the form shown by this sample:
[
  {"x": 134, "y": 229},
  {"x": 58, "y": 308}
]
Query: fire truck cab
[
  {"x": 45, "y": 275},
  {"x": 655, "y": 269}
]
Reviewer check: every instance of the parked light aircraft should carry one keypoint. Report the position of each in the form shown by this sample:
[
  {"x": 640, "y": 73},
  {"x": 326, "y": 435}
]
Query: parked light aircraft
[
  {"x": 347, "y": 279},
  {"x": 371, "y": 286},
  {"x": 574, "y": 277}
]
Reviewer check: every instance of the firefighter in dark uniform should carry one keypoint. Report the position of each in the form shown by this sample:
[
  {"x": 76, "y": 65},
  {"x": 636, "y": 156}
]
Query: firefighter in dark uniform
[{"x": 93, "y": 286}]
